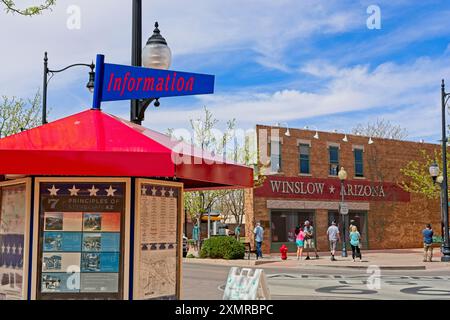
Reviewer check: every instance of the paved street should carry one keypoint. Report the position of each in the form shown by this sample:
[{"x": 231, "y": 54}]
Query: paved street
[{"x": 205, "y": 281}]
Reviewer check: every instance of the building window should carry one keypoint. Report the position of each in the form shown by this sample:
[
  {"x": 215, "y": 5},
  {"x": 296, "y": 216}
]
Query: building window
[
  {"x": 304, "y": 158},
  {"x": 359, "y": 167},
  {"x": 334, "y": 160},
  {"x": 275, "y": 156},
  {"x": 283, "y": 224}
]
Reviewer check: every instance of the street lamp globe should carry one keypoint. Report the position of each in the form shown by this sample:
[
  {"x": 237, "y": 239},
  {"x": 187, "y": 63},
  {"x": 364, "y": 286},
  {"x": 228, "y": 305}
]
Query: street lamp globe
[
  {"x": 91, "y": 82},
  {"x": 440, "y": 179},
  {"x": 434, "y": 170},
  {"x": 156, "y": 54},
  {"x": 342, "y": 174}
]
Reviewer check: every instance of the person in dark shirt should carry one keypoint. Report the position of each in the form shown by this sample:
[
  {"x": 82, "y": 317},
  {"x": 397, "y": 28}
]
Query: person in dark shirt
[{"x": 427, "y": 243}]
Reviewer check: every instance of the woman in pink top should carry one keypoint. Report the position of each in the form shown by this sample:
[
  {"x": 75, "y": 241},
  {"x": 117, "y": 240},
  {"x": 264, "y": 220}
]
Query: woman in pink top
[{"x": 300, "y": 236}]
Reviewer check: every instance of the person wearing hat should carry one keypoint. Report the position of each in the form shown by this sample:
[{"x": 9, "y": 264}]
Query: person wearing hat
[
  {"x": 309, "y": 239},
  {"x": 333, "y": 237}
]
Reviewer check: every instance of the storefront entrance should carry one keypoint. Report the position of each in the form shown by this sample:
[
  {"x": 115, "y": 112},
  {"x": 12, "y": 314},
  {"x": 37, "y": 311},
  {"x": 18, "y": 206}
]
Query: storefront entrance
[
  {"x": 360, "y": 220},
  {"x": 283, "y": 224}
]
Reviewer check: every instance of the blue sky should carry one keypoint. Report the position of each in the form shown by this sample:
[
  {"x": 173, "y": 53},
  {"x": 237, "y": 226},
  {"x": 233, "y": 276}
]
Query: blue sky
[{"x": 302, "y": 62}]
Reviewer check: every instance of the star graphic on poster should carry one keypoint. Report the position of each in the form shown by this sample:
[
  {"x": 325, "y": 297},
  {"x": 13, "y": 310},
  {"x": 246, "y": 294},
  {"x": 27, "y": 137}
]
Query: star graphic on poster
[
  {"x": 3, "y": 248},
  {"x": 93, "y": 191},
  {"x": 7, "y": 249},
  {"x": 154, "y": 191},
  {"x": 74, "y": 191},
  {"x": 110, "y": 191},
  {"x": 19, "y": 249},
  {"x": 171, "y": 193},
  {"x": 14, "y": 249},
  {"x": 163, "y": 192},
  {"x": 332, "y": 188},
  {"x": 53, "y": 191},
  {"x": 144, "y": 190}
]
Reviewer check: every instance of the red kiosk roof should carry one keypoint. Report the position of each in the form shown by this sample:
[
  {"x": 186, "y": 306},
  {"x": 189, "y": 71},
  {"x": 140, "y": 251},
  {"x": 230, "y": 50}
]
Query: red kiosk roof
[{"x": 94, "y": 143}]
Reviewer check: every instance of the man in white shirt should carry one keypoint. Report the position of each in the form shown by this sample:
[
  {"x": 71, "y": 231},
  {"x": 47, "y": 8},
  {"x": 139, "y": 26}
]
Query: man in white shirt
[{"x": 333, "y": 237}]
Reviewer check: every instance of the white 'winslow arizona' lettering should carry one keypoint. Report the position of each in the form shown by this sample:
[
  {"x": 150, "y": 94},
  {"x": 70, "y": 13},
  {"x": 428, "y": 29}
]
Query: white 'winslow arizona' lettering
[{"x": 317, "y": 188}]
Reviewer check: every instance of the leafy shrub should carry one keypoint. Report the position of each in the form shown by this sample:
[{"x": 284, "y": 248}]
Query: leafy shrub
[
  {"x": 222, "y": 247},
  {"x": 190, "y": 255}
]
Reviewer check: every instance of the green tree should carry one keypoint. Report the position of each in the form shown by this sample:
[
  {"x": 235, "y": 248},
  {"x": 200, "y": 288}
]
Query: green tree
[
  {"x": 17, "y": 114},
  {"x": 417, "y": 176},
  {"x": 11, "y": 7},
  {"x": 204, "y": 137}
]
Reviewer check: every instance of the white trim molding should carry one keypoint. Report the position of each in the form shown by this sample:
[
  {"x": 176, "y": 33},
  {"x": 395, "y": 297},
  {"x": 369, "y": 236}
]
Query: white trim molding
[
  {"x": 357, "y": 146},
  {"x": 326, "y": 205},
  {"x": 303, "y": 141},
  {"x": 333, "y": 144}
]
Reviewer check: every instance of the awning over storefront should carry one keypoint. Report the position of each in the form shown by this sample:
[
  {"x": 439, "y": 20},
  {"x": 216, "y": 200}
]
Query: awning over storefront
[{"x": 94, "y": 143}]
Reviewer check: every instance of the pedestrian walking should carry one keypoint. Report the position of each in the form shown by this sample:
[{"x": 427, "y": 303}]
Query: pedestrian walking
[
  {"x": 259, "y": 233},
  {"x": 427, "y": 243},
  {"x": 309, "y": 239},
  {"x": 299, "y": 240},
  {"x": 333, "y": 237},
  {"x": 196, "y": 236},
  {"x": 237, "y": 233},
  {"x": 355, "y": 243}
]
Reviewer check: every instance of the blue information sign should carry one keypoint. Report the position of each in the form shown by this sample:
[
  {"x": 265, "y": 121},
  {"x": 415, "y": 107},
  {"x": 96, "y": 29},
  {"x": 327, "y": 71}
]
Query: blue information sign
[{"x": 119, "y": 82}]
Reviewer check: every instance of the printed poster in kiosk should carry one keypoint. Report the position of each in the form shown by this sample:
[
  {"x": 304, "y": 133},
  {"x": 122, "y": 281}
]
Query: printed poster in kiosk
[
  {"x": 157, "y": 259},
  {"x": 81, "y": 247},
  {"x": 12, "y": 228}
]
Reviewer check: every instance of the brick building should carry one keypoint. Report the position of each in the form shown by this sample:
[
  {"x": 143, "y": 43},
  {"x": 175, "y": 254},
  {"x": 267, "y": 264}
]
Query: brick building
[{"x": 302, "y": 184}]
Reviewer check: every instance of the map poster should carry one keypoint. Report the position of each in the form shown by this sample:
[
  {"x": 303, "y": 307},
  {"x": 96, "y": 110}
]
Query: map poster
[
  {"x": 156, "y": 251},
  {"x": 12, "y": 228},
  {"x": 80, "y": 239}
]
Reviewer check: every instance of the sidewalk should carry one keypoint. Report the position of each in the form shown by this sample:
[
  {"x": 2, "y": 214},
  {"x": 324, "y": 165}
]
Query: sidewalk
[{"x": 398, "y": 259}]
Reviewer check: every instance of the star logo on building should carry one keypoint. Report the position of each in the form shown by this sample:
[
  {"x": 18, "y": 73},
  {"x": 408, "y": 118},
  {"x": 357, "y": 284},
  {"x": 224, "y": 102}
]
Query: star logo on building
[
  {"x": 144, "y": 190},
  {"x": 53, "y": 191},
  {"x": 171, "y": 193},
  {"x": 8, "y": 248},
  {"x": 14, "y": 249},
  {"x": 3, "y": 248},
  {"x": 332, "y": 188},
  {"x": 74, "y": 191},
  {"x": 20, "y": 249},
  {"x": 110, "y": 191},
  {"x": 154, "y": 191},
  {"x": 163, "y": 192},
  {"x": 93, "y": 191}
]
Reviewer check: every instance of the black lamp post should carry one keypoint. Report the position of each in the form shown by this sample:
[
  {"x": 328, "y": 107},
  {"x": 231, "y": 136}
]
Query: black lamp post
[
  {"x": 342, "y": 174},
  {"x": 47, "y": 71},
  {"x": 156, "y": 54},
  {"x": 446, "y": 244},
  {"x": 439, "y": 181}
]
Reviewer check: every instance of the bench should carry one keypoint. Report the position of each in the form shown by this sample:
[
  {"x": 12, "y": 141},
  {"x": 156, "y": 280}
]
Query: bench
[{"x": 248, "y": 249}]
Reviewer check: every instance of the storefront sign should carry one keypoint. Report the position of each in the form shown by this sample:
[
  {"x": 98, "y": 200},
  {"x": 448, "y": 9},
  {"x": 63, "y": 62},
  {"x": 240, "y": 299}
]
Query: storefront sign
[
  {"x": 330, "y": 189},
  {"x": 120, "y": 82},
  {"x": 81, "y": 250}
]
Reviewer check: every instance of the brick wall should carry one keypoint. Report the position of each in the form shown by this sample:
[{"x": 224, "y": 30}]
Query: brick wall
[{"x": 390, "y": 224}]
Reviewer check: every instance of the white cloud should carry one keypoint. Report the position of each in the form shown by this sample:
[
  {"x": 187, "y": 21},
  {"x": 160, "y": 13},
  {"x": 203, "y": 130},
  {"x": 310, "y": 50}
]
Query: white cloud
[{"x": 406, "y": 94}]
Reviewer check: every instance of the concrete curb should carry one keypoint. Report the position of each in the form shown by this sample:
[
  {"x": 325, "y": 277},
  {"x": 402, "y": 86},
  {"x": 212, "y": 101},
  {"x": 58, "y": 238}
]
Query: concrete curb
[
  {"x": 218, "y": 262},
  {"x": 248, "y": 263},
  {"x": 380, "y": 267}
]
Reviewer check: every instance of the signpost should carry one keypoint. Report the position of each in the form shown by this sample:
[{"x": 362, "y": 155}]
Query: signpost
[
  {"x": 120, "y": 82},
  {"x": 246, "y": 284},
  {"x": 343, "y": 208}
]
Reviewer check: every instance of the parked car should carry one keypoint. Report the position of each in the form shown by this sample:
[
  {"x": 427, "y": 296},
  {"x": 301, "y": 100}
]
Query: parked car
[{"x": 185, "y": 246}]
